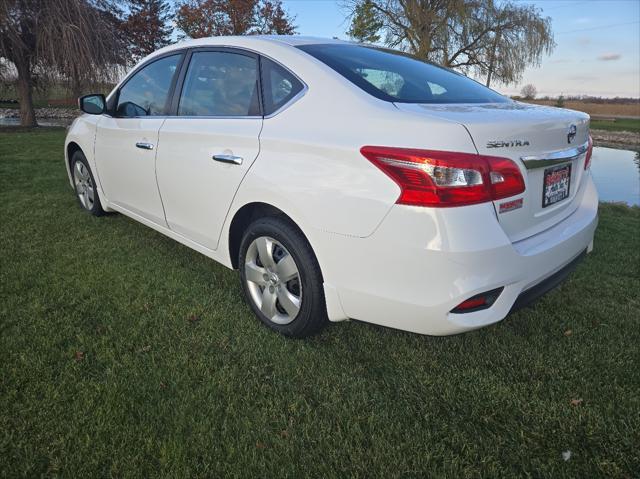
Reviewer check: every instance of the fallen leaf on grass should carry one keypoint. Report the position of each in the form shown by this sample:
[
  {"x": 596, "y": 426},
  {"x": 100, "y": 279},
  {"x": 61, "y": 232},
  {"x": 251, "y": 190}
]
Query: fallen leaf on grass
[
  {"x": 78, "y": 356},
  {"x": 568, "y": 332},
  {"x": 284, "y": 434},
  {"x": 193, "y": 318},
  {"x": 576, "y": 402},
  {"x": 260, "y": 445}
]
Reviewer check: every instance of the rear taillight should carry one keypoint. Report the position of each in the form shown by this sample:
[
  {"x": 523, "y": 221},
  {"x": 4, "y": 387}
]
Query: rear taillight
[
  {"x": 587, "y": 160},
  {"x": 506, "y": 179},
  {"x": 444, "y": 178}
]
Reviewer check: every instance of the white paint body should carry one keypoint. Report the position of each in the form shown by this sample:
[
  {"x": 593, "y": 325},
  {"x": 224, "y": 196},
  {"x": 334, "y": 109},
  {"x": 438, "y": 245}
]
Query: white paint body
[{"x": 400, "y": 266}]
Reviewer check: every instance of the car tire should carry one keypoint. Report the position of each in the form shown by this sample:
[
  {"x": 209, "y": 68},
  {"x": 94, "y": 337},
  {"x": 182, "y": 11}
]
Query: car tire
[
  {"x": 281, "y": 278},
  {"x": 85, "y": 185}
]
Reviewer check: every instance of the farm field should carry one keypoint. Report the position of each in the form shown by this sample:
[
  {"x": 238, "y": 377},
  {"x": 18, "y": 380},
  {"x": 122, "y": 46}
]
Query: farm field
[
  {"x": 631, "y": 109},
  {"x": 616, "y": 125}
]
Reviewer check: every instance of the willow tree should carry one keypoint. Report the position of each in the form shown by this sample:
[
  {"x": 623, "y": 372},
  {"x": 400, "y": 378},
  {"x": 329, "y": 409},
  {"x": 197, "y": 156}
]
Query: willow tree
[
  {"x": 45, "y": 39},
  {"x": 508, "y": 38},
  {"x": 496, "y": 40}
]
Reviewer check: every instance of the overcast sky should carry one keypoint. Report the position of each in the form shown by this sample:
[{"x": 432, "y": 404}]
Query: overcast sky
[{"x": 597, "y": 53}]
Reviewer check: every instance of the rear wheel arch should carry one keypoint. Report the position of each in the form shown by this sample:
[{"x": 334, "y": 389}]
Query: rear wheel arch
[{"x": 247, "y": 215}]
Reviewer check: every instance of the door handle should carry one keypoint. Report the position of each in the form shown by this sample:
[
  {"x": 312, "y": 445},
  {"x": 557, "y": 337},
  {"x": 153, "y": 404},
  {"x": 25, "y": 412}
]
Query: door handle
[
  {"x": 144, "y": 145},
  {"x": 234, "y": 160}
]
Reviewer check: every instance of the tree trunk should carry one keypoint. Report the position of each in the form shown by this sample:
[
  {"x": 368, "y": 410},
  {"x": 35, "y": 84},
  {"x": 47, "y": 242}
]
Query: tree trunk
[{"x": 25, "y": 93}]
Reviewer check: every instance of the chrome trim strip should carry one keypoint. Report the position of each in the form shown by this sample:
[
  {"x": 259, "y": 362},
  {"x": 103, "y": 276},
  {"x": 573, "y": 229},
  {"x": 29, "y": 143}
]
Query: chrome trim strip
[
  {"x": 185, "y": 50},
  {"x": 555, "y": 157},
  {"x": 185, "y": 117},
  {"x": 213, "y": 117}
]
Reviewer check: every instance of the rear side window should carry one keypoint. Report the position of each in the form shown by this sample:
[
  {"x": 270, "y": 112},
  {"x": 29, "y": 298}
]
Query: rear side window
[
  {"x": 146, "y": 93},
  {"x": 398, "y": 77},
  {"x": 279, "y": 86},
  {"x": 220, "y": 84}
]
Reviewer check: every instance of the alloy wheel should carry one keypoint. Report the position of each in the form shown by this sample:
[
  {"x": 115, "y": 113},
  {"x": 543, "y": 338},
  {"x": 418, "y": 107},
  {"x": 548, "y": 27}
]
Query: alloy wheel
[
  {"x": 273, "y": 280},
  {"x": 84, "y": 185}
]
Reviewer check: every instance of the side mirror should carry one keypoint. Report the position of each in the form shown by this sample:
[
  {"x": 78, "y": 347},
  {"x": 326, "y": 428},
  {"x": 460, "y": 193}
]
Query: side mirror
[{"x": 92, "y": 104}]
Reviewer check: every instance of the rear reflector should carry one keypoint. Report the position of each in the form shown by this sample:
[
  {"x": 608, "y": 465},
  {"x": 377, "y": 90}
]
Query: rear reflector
[
  {"x": 445, "y": 178},
  {"x": 478, "y": 302}
]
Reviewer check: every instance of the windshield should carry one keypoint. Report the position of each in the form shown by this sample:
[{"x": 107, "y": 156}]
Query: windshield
[{"x": 398, "y": 77}]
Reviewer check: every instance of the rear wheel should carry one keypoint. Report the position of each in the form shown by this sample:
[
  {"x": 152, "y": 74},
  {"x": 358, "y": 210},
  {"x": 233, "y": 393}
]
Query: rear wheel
[
  {"x": 85, "y": 185},
  {"x": 281, "y": 278}
]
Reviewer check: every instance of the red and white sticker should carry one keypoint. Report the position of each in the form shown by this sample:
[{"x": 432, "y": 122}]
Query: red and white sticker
[{"x": 511, "y": 205}]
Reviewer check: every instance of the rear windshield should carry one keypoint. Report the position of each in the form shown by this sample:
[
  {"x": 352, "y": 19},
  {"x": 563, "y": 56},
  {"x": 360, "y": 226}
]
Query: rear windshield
[{"x": 398, "y": 77}]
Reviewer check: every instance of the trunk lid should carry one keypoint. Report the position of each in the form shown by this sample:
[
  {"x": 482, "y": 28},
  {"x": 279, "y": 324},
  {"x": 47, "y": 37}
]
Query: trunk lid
[{"x": 538, "y": 139}]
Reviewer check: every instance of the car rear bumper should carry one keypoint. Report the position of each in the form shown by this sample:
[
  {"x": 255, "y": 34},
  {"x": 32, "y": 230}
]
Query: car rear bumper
[
  {"x": 532, "y": 294},
  {"x": 421, "y": 263}
]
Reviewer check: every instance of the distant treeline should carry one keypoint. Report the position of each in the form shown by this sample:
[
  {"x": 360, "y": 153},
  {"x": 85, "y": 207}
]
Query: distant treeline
[{"x": 590, "y": 99}]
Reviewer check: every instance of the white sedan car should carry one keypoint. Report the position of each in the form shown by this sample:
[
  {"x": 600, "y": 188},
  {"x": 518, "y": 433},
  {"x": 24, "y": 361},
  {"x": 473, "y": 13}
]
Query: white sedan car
[{"x": 342, "y": 180}]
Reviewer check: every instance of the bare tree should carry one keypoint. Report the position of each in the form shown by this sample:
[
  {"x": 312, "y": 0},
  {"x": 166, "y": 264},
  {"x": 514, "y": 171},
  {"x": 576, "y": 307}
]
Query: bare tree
[
  {"x": 519, "y": 37},
  {"x": 498, "y": 41},
  {"x": 77, "y": 39},
  {"x": 410, "y": 25},
  {"x": 528, "y": 92}
]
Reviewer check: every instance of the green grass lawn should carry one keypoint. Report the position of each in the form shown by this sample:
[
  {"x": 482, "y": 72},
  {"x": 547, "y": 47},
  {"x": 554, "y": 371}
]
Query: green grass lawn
[
  {"x": 123, "y": 353},
  {"x": 616, "y": 125}
]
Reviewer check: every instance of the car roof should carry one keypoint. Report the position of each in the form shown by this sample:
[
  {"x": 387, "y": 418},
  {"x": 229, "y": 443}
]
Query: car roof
[
  {"x": 295, "y": 40},
  {"x": 257, "y": 42},
  {"x": 246, "y": 40}
]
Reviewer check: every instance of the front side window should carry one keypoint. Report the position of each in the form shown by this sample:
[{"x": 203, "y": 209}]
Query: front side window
[
  {"x": 279, "y": 86},
  {"x": 146, "y": 93},
  {"x": 397, "y": 77},
  {"x": 220, "y": 84}
]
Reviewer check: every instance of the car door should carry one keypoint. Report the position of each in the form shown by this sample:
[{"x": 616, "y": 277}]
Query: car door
[
  {"x": 208, "y": 147},
  {"x": 126, "y": 141}
]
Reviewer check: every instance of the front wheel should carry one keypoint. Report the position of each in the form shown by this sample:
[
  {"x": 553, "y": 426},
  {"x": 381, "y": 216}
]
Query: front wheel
[
  {"x": 85, "y": 185},
  {"x": 281, "y": 278}
]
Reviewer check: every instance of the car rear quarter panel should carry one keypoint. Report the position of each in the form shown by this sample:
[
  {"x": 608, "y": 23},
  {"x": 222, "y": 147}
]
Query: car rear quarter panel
[
  {"x": 310, "y": 166},
  {"x": 310, "y": 158}
]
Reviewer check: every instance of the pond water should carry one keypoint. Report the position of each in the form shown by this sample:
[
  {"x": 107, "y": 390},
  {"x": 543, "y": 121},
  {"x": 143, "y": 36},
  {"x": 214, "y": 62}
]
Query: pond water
[{"x": 616, "y": 174}]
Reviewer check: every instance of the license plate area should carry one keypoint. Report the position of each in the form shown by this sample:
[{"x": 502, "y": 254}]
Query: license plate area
[{"x": 557, "y": 184}]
